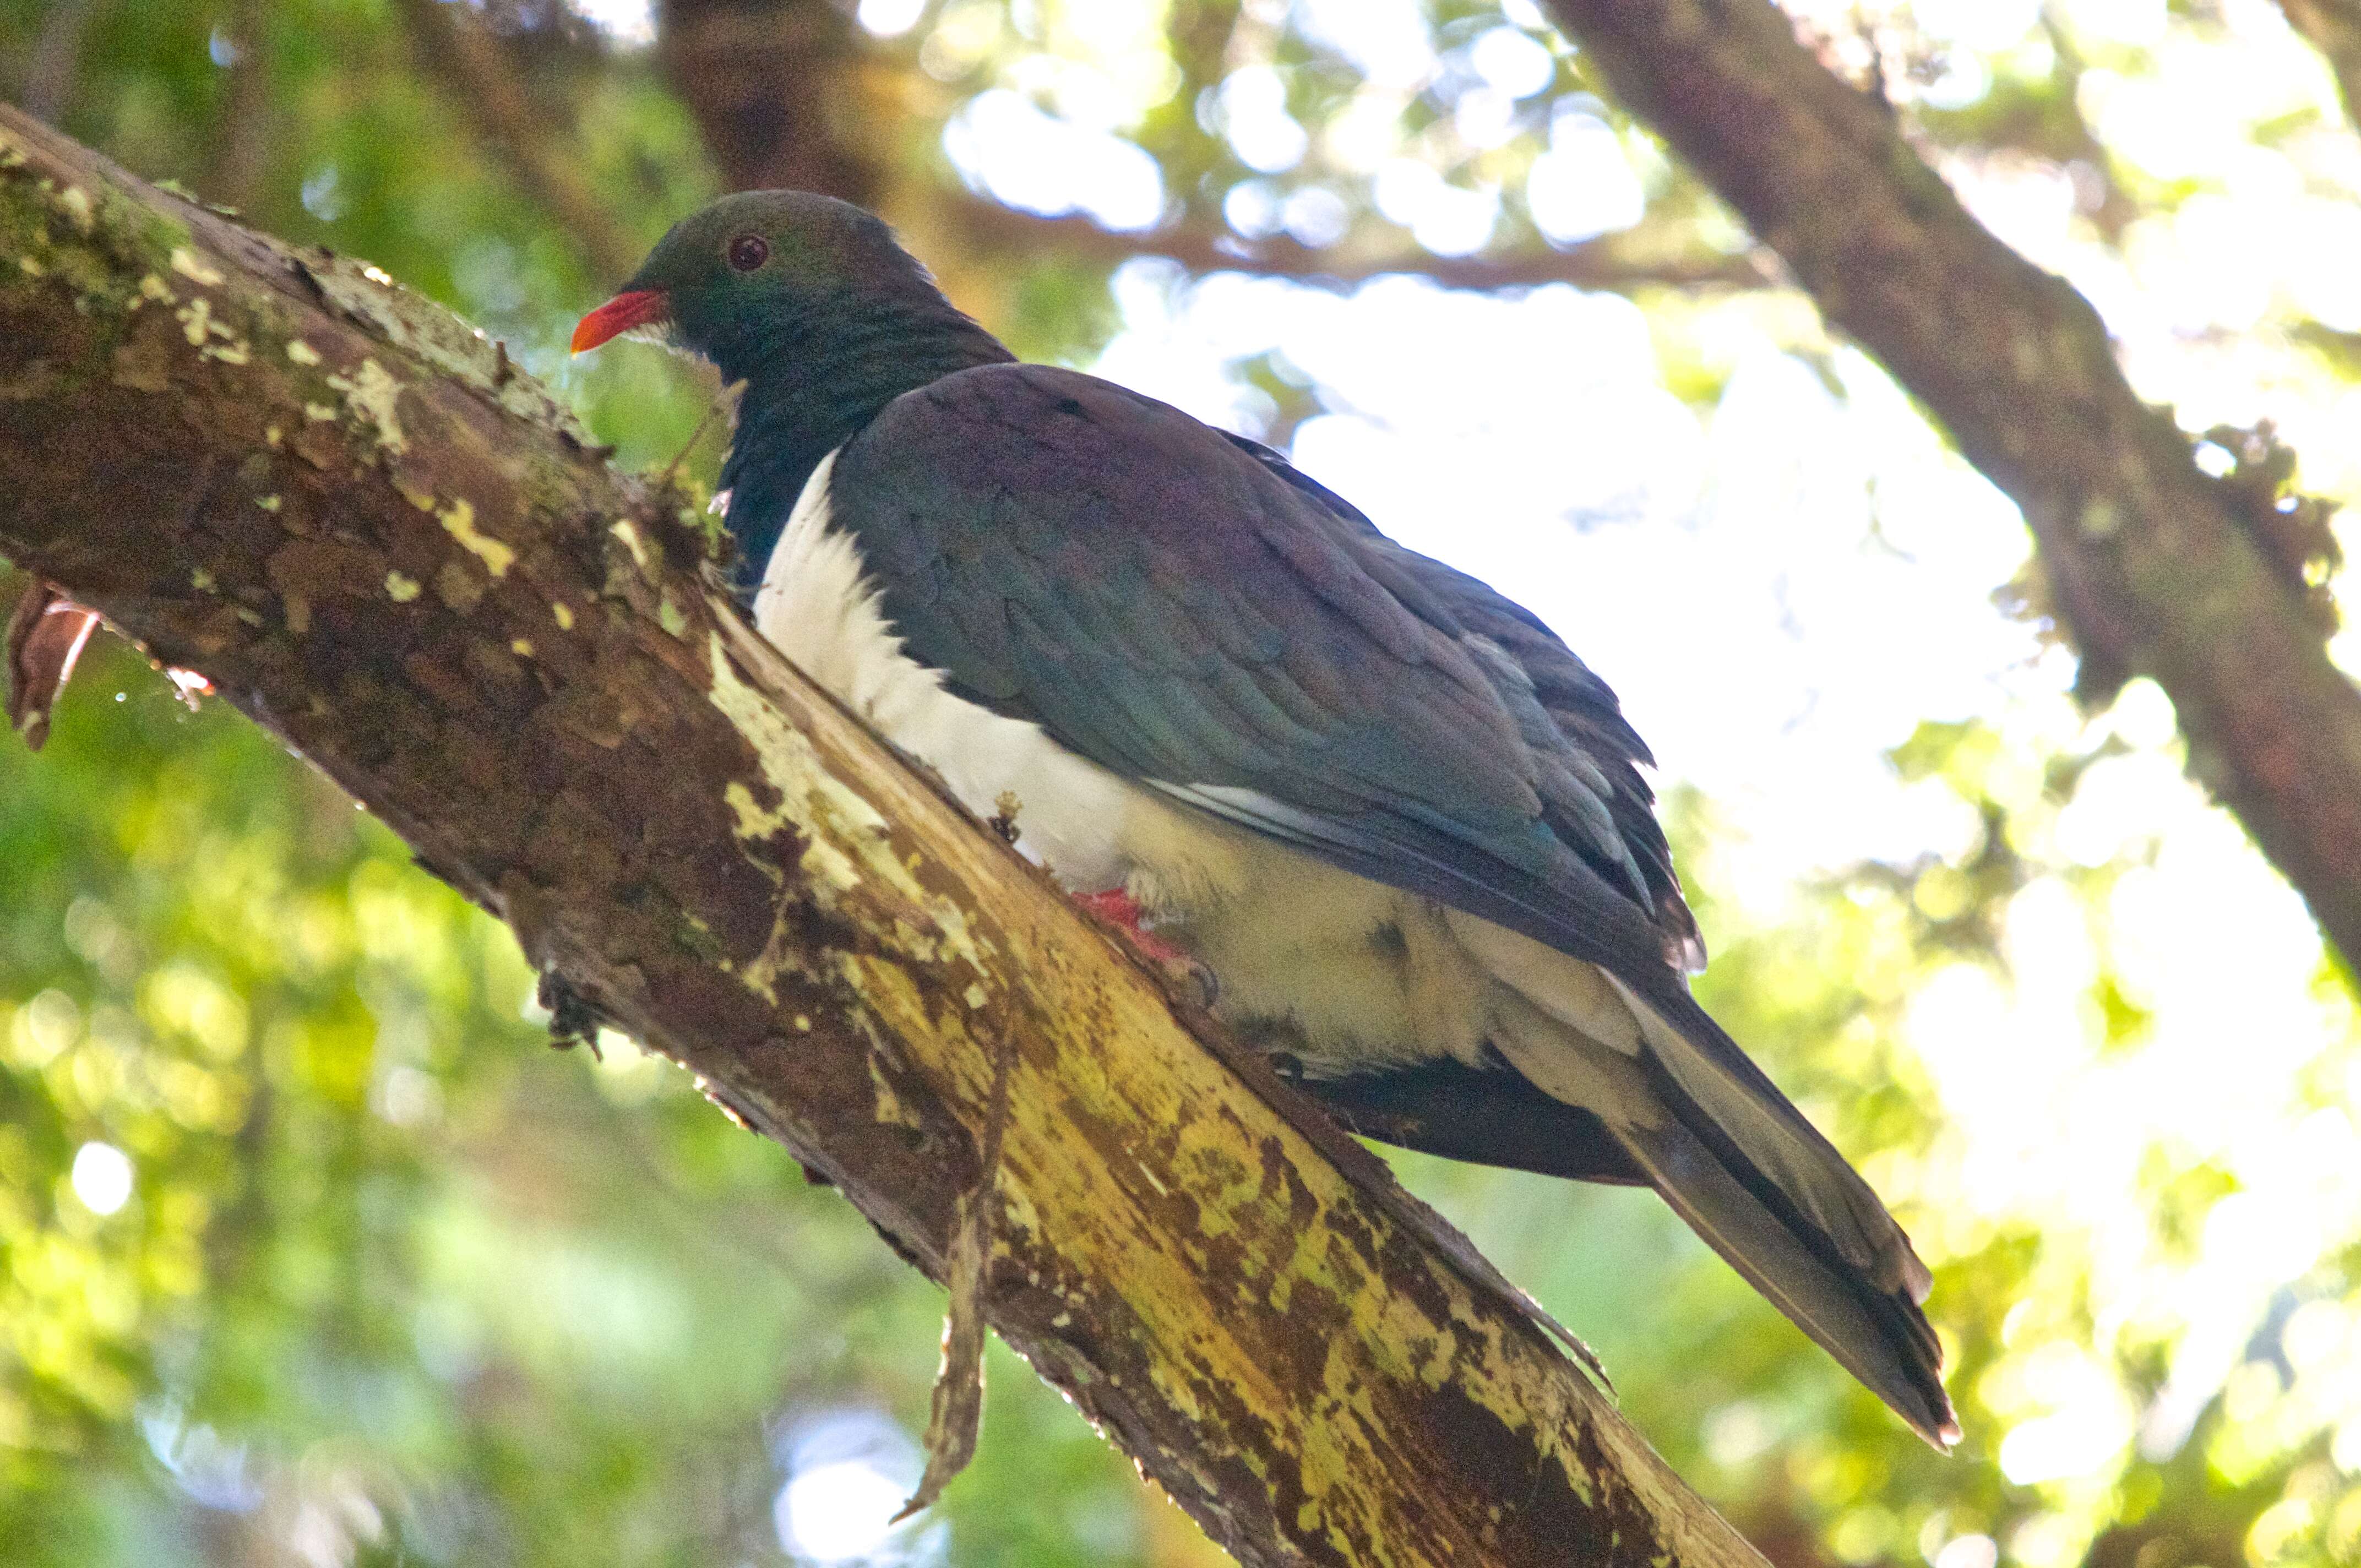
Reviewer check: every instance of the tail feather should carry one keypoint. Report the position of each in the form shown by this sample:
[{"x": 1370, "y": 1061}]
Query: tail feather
[
  {"x": 1739, "y": 1163},
  {"x": 1745, "y": 1118},
  {"x": 1879, "y": 1336}
]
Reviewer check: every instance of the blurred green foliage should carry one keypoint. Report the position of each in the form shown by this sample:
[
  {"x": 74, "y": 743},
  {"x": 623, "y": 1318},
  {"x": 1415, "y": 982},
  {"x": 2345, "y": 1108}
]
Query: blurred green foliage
[{"x": 311, "y": 1252}]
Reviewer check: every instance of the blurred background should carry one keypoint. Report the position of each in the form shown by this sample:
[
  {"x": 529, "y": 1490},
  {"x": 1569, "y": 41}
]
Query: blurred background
[{"x": 310, "y": 1251}]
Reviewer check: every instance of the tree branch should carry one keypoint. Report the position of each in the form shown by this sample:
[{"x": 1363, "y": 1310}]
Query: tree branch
[
  {"x": 2154, "y": 567},
  {"x": 331, "y": 499},
  {"x": 2334, "y": 27},
  {"x": 768, "y": 81},
  {"x": 1605, "y": 264},
  {"x": 469, "y": 59},
  {"x": 242, "y": 139},
  {"x": 56, "y": 60}
]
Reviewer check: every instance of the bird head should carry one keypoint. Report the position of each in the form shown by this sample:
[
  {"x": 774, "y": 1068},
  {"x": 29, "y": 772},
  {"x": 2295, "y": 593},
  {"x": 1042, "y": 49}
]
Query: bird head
[{"x": 756, "y": 269}]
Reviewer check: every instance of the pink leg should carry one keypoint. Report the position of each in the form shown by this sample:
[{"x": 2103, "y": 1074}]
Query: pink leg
[{"x": 1119, "y": 909}]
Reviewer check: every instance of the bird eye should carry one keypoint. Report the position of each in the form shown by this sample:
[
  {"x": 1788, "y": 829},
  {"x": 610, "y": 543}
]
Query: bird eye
[{"x": 749, "y": 251}]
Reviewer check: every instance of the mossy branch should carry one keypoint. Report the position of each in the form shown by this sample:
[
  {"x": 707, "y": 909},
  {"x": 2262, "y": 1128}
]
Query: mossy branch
[{"x": 339, "y": 504}]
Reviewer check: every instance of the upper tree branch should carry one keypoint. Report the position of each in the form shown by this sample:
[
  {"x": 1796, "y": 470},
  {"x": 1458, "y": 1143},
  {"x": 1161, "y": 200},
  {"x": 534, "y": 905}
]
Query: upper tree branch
[
  {"x": 770, "y": 85},
  {"x": 2333, "y": 27},
  {"x": 468, "y": 58},
  {"x": 333, "y": 499},
  {"x": 1607, "y": 264},
  {"x": 2154, "y": 567}
]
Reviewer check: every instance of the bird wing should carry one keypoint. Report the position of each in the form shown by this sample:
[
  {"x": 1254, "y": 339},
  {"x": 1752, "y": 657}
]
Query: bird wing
[{"x": 1195, "y": 616}]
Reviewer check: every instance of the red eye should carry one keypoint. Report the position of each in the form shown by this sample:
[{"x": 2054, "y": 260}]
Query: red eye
[{"x": 749, "y": 251}]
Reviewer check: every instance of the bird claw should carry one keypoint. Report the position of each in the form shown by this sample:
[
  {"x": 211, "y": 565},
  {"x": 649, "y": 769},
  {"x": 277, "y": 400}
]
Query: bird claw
[{"x": 1119, "y": 909}]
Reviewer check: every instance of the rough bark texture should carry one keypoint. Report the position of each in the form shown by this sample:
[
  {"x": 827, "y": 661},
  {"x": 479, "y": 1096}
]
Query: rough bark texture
[
  {"x": 334, "y": 501},
  {"x": 2153, "y": 568}
]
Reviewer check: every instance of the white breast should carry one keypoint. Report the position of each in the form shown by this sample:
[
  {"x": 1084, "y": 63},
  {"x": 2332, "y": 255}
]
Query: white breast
[{"x": 819, "y": 607}]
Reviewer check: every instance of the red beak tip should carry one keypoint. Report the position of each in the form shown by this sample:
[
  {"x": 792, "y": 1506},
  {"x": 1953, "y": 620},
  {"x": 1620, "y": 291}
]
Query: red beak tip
[{"x": 636, "y": 307}]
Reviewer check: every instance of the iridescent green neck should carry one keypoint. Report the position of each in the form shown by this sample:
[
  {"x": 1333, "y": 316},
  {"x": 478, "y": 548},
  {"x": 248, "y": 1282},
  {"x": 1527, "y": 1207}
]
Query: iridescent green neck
[{"x": 813, "y": 376}]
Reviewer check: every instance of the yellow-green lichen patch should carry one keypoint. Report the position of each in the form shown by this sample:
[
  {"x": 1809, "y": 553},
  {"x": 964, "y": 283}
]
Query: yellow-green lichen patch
[
  {"x": 267, "y": 503},
  {"x": 632, "y": 541},
  {"x": 669, "y": 617},
  {"x": 75, "y": 201},
  {"x": 401, "y": 589},
  {"x": 846, "y": 842},
  {"x": 302, "y": 353},
  {"x": 373, "y": 395},
  {"x": 563, "y": 614},
  {"x": 891, "y": 1112},
  {"x": 522, "y": 648},
  {"x": 189, "y": 264},
  {"x": 459, "y": 520},
  {"x": 195, "y": 319},
  {"x": 367, "y": 295},
  {"x": 154, "y": 287}
]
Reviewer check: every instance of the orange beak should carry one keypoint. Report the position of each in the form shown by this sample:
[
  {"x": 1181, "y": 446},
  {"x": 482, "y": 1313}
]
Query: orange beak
[{"x": 620, "y": 315}]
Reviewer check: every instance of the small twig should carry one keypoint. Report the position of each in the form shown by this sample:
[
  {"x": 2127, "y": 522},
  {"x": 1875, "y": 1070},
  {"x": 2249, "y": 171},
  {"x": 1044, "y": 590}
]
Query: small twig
[
  {"x": 955, "y": 1415},
  {"x": 695, "y": 436}
]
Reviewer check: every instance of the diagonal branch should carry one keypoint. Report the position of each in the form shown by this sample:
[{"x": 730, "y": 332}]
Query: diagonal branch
[
  {"x": 772, "y": 87},
  {"x": 2334, "y": 27},
  {"x": 2154, "y": 567},
  {"x": 1611, "y": 264},
  {"x": 470, "y": 62},
  {"x": 335, "y": 500}
]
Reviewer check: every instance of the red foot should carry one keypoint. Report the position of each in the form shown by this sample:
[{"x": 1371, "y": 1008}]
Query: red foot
[{"x": 1119, "y": 909}]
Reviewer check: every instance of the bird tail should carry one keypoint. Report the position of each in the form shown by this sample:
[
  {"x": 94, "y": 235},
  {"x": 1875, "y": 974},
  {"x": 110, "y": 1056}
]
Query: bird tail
[
  {"x": 1735, "y": 1160},
  {"x": 1879, "y": 1335}
]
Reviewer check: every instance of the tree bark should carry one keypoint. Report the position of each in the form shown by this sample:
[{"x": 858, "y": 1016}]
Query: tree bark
[
  {"x": 2154, "y": 567},
  {"x": 2334, "y": 27},
  {"x": 339, "y": 504}
]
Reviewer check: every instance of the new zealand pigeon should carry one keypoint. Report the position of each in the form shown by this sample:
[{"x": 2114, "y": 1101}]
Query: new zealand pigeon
[{"x": 1400, "y": 823}]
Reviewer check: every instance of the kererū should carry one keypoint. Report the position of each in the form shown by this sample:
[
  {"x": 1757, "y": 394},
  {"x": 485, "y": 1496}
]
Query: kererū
[{"x": 1401, "y": 825}]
